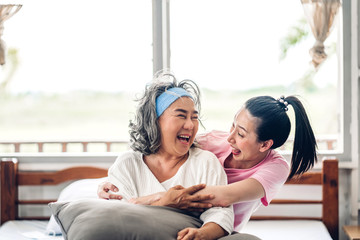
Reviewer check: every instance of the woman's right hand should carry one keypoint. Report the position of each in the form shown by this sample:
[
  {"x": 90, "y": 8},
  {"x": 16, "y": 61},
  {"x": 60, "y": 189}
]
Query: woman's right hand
[
  {"x": 185, "y": 198},
  {"x": 104, "y": 189}
]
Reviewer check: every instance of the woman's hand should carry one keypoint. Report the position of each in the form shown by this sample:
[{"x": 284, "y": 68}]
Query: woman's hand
[
  {"x": 209, "y": 231},
  {"x": 191, "y": 233},
  {"x": 185, "y": 198},
  {"x": 104, "y": 189}
]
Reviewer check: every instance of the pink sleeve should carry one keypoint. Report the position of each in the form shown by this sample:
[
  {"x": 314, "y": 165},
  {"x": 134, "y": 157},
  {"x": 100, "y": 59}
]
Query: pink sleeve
[
  {"x": 202, "y": 140},
  {"x": 272, "y": 177},
  {"x": 214, "y": 141}
]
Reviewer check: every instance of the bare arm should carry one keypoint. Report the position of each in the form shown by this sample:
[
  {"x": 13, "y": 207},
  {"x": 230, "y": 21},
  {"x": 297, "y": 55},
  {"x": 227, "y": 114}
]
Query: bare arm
[{"x": 245, "y": 190}]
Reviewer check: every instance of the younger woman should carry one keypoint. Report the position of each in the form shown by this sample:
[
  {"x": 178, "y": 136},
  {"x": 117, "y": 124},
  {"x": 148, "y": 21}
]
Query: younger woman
[{"x": 255, "y": 171}]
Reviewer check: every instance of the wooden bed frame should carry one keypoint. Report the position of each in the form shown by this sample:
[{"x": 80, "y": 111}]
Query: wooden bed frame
[{"x": 12, "y": 178}]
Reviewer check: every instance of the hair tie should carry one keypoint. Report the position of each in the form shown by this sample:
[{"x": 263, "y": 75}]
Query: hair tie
[
  {"x": 168, "y": 97},
  {"x": 283, "y": 103}
]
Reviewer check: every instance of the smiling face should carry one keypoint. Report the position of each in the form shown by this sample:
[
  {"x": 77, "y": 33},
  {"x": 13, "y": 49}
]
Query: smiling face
[
  {"x": 178, "y": 125},
  {"x": 247, "y": 151}
]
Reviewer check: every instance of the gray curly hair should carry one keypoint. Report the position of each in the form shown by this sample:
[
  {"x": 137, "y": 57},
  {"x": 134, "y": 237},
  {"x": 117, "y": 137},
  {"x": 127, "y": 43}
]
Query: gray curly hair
[{"x": 145, "y": 135}]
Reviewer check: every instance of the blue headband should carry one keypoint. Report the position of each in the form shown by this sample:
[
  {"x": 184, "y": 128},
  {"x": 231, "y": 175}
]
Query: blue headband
[{"x": 168, "y": 97}]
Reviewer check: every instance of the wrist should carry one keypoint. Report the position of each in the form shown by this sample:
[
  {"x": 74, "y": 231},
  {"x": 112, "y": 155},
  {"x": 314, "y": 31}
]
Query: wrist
[
  {"x": 213, "y": 231},
  {"x": 157, "y": 203}
]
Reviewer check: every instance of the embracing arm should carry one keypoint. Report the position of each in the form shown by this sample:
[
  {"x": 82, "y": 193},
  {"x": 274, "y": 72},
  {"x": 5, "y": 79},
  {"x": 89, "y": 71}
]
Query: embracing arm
[
  {"x": 263, "y": 184},
  {"x": 225, "y": 195},
  {"x": 219, "y": 195},
  {"x": 189, "y": 198},
  {"x": 176, "y": 197}
]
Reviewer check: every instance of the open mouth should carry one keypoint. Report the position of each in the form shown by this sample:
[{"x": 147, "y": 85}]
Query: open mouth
[
  {"x": 236, "y": 151},
  {"x": 184, "y": 138}
]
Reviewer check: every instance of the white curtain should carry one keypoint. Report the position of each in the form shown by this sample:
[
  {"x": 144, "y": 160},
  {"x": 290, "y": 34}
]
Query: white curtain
[
  {"x": 6, "y": 11},
  {"x": 320, "y": 15}
]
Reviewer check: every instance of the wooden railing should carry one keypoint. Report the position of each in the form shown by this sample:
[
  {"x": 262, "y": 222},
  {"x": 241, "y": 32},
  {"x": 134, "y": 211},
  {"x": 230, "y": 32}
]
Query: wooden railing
[
  {"x": 328, "y": 143},
  {"x": 324, "y": 143},
  {"x": 63, "y": 146}
]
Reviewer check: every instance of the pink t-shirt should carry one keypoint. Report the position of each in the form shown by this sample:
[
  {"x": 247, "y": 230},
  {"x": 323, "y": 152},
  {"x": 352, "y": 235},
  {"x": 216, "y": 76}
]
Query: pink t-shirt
[{"x": 272, "y": 173}]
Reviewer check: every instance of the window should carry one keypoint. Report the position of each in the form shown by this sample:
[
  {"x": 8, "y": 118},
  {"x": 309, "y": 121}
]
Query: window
[
  {"x": 233, "y": 50},
  {"x": 81, "y": 62}
]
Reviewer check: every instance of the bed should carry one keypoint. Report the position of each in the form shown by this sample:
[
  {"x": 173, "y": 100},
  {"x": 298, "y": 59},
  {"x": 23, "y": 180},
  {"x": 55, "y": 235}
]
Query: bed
[{"x": 16, "y": 226}]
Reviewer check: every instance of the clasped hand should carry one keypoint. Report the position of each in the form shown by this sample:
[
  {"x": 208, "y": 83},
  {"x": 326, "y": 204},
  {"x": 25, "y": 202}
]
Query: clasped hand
[
  {"x": 185, "y": 198},
  {"x": 176, "y": 197}
]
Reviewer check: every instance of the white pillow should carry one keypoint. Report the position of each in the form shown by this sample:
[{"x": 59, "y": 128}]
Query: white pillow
[{"x": 85, "y": 188}]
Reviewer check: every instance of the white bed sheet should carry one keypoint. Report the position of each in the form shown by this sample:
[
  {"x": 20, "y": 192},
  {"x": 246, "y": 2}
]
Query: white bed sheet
[
  {"x": 287, "y": 229},
  {"x": 26, "y": 230},
  {"x": 264, "y": 229}
]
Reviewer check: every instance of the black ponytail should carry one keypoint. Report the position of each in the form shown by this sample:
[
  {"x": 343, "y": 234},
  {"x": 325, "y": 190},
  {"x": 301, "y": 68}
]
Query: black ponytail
[{"x": 304, "y": 150}]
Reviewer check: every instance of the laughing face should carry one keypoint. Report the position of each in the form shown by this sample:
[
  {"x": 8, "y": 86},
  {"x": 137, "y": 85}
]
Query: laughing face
[
  {"x": 246, "y": 149},
  {"x": 178, "y": 125}
]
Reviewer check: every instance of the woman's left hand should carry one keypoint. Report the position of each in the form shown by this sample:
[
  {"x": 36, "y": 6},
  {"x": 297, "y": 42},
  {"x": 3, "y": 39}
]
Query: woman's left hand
[
  {"x": 191, "y": 234},
  {"x": 208, "y": 231},
  {"x": 185, "y": 198}
]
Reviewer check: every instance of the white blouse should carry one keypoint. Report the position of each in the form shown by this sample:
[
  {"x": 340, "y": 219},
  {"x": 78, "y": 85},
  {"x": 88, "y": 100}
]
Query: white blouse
[{"x": 134, "y": 179}]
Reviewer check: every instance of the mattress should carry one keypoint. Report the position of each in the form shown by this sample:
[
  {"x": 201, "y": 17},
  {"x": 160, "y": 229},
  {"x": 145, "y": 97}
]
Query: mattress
[
  {"x": 287, "y": 229},
  {"x": 26, "y": 230}
]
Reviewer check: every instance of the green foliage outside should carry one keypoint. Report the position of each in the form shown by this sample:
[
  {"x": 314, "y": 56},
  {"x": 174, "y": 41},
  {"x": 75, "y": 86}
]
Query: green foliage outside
[{"x": 90, "y": 115}]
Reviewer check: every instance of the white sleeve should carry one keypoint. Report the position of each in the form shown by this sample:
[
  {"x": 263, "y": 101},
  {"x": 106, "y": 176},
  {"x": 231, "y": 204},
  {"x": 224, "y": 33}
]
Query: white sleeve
[
  {"x": 223, "y": 216},
  {"x": 120, "y": 175}
]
